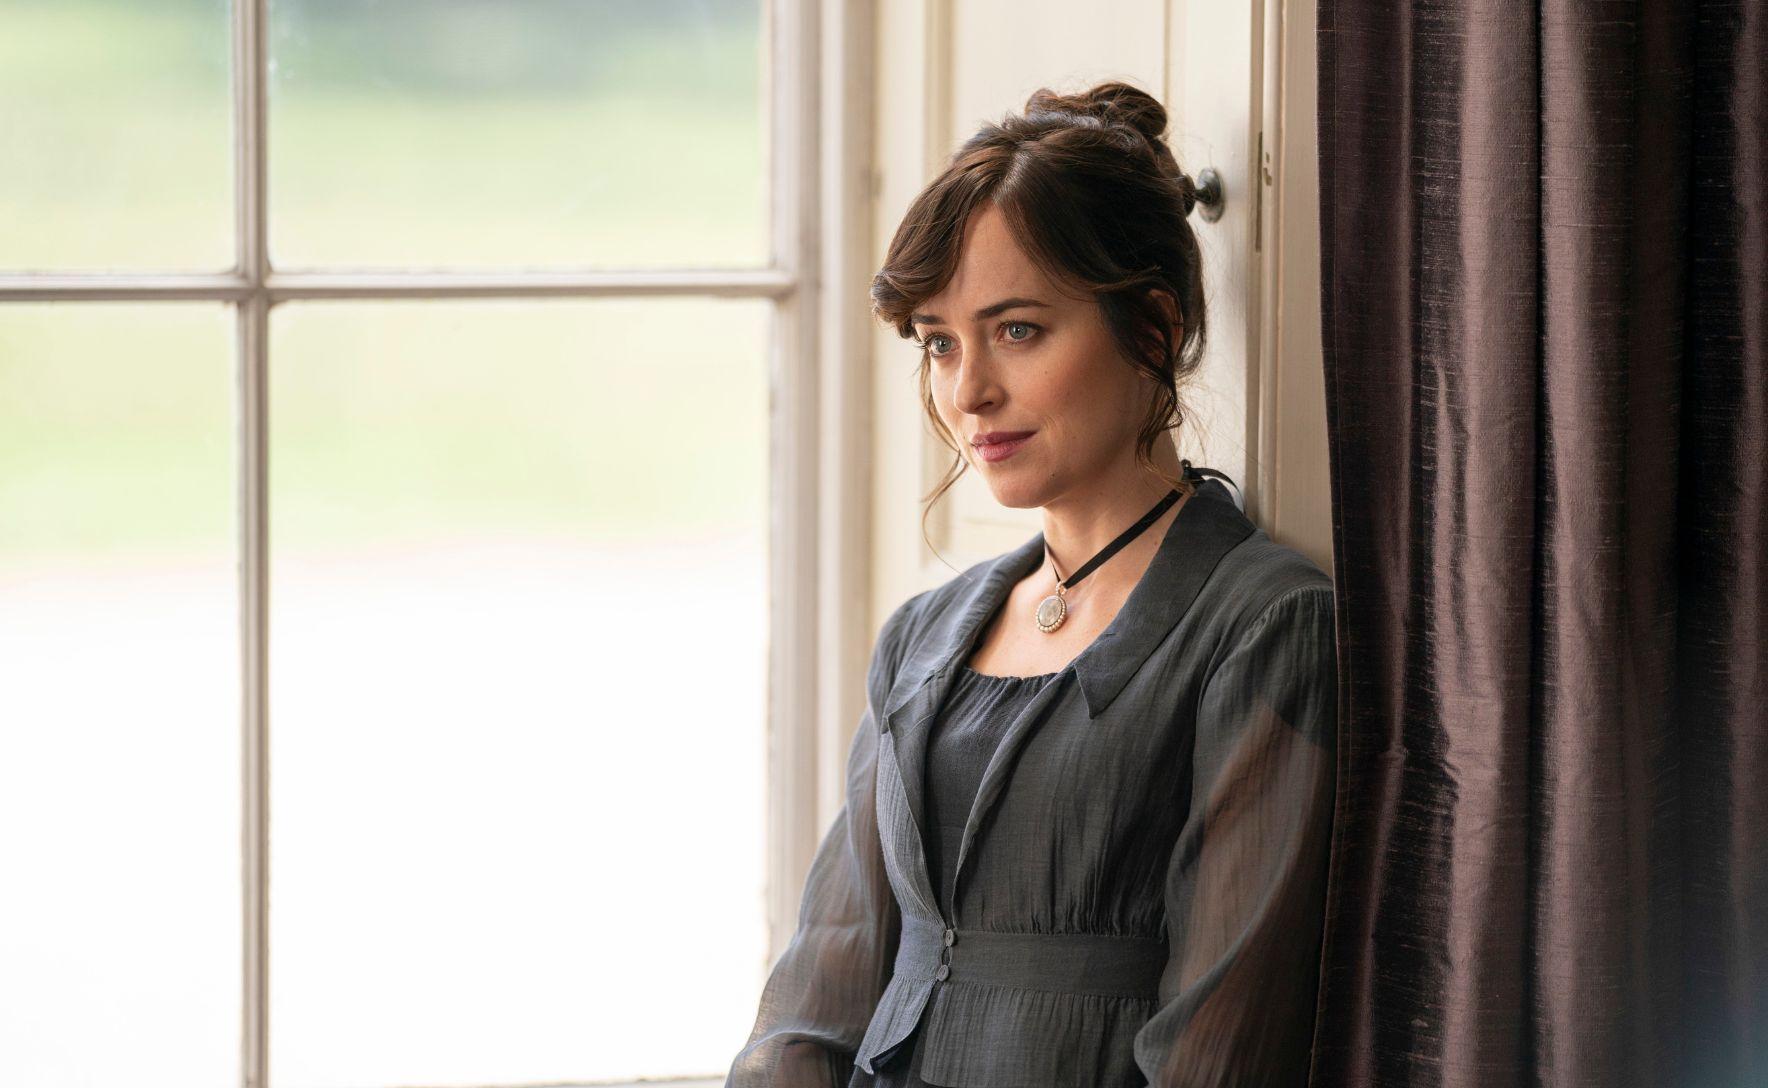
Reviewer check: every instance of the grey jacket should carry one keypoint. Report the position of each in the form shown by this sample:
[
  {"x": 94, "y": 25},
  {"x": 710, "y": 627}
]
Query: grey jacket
[{"x": 1140, "y": 886}]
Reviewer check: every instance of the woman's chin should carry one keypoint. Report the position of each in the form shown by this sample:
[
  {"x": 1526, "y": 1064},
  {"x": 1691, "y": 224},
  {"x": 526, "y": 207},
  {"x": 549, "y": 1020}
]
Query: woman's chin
[{"x": 1014, "y": 496}]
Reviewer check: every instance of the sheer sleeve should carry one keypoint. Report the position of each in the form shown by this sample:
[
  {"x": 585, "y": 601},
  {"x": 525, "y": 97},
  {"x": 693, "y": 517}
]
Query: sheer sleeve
[
  {"x": 1245, "y": 888},
  {"x": 821, "y": 993}
]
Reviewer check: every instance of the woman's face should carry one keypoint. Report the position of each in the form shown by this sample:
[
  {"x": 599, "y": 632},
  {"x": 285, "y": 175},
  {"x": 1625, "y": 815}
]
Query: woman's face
[{"x": 1044, "y": 363}]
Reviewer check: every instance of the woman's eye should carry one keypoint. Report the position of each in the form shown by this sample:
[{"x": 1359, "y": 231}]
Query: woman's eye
[{"x": 931, "y": 341}]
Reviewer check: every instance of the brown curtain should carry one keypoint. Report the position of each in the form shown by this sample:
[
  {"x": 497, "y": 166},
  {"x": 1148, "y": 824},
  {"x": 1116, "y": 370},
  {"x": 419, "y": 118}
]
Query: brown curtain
[{"x": 1544, "y": 228}]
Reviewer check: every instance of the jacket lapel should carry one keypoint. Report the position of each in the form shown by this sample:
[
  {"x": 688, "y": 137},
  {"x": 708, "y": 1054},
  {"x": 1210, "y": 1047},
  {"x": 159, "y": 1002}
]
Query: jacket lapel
[
  {"x": 921, "y": 684},
  {"x": 1206, "y": 527}
]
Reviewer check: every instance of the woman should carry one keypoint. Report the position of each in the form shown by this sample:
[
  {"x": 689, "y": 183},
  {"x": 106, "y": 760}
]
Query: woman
[{"x": 1089, "y": 804}]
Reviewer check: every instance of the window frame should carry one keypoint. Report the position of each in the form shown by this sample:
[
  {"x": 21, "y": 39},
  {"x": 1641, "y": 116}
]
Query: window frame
[{"x": 817, "y": 86}]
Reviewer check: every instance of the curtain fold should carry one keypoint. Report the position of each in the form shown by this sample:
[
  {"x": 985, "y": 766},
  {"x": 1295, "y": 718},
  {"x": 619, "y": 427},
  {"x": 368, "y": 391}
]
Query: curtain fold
[{"x": 1545, "y": 319}]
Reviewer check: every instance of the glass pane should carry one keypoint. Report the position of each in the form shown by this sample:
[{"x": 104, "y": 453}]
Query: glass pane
[
  {"x": 521, "y": 133},
  {"x": 519, "y": 656},
  {"x": 119, "y": 697},
  {"x": 115, "y": 127}
]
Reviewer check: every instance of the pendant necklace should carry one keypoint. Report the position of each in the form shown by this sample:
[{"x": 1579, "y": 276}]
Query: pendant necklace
[{"x": 1052, "y": 610}]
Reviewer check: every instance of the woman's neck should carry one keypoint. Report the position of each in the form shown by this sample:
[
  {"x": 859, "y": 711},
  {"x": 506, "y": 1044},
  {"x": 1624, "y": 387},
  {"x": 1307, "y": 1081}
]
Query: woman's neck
[{"x": 1079, "y": 527}]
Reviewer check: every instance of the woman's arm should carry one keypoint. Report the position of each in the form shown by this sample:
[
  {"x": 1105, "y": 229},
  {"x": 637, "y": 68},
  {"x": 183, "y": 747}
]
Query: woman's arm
[
  {"x": 821, "y": 993},
  {"x": 1245, "y": 893}
]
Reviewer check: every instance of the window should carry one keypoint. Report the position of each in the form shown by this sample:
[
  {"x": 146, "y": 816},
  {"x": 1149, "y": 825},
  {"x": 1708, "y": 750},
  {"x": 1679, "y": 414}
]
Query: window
[{"x": 387, "y": 415}]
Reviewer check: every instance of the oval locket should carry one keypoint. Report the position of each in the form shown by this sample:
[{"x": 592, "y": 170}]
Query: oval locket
[{"x": 1051, "y": 611}]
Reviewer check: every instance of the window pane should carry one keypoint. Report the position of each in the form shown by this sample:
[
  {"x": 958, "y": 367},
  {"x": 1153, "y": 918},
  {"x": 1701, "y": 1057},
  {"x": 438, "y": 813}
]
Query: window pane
[
  {"x": 115, "y": 122},
  {"x": 119, "y": 698},
  {"x": 525, "y": 132},
  {"x": 518, "y": 652}
]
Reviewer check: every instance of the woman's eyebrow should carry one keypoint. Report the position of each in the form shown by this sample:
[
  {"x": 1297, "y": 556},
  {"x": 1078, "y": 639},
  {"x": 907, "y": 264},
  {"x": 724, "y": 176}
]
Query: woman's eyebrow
[{"x": 983, "y": 314}]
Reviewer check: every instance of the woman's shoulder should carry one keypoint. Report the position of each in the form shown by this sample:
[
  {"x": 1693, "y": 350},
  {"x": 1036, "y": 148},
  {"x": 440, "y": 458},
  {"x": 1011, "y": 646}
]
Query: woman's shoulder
[
  {"x": 912, "y": 614},
  {"x": 901, "y": 628},
  {"x": 1258, "y": 573}
]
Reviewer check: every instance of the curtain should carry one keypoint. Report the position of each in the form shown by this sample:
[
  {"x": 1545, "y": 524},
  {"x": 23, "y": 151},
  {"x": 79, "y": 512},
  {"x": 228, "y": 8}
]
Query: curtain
[{"x": 1544, "y": 228}]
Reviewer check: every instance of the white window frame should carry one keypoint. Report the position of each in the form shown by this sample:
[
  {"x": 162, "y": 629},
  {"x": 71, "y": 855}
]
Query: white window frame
[{"x": 817, "y": 89}]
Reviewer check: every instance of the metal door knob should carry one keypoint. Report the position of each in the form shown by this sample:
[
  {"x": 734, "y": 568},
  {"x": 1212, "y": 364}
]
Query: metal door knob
[{"x": 1210, "y": 198}]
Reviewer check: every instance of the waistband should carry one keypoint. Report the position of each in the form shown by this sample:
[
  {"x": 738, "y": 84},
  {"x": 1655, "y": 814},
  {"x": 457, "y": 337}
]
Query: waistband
[{"x": 1081, "y": 963}]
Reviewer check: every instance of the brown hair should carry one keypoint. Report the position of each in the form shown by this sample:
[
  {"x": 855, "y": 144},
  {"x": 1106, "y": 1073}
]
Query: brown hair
[{"x": 1090, "y": 191}]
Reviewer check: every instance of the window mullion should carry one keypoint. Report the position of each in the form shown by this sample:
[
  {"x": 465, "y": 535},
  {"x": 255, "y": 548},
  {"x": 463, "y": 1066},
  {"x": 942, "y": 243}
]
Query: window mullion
[{"x": 250, "y": 73}]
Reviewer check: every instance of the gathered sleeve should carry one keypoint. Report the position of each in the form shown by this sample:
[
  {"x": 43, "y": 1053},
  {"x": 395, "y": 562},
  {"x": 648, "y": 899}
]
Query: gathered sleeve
[
  {"x": 820, "y": 994},
  {"x": 1245, "y": 888}
]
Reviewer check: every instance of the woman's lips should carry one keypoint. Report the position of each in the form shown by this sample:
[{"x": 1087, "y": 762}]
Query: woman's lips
[{"x": 1000, "y": 451}]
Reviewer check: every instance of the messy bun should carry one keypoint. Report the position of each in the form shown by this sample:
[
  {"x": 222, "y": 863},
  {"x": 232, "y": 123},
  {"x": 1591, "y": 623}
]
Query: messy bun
[
  {"x": 1116, "y": 107},
  {"x": 1092, "y": 193}
]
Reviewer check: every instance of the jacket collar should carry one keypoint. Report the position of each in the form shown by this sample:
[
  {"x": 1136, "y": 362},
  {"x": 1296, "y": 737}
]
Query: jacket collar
[{"x": 1207, "y": 526}]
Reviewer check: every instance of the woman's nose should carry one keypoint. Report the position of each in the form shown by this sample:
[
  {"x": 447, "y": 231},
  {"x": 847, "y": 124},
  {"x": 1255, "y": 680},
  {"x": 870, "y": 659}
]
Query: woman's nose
[{"x": 975, "y": 384}]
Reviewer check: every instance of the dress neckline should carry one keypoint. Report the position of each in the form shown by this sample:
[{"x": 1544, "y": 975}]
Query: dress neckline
[{"x": 1008, "y": 676}]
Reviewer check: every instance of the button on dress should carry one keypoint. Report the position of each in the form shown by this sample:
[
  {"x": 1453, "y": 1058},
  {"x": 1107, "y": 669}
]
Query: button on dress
[
  {"x": 964, "y": 737},
  {"x": 1137, "y": 892}
]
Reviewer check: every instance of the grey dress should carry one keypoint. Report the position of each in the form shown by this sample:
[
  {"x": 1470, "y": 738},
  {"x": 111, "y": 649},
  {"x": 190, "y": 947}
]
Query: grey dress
[
  {"x": 1138, "y": 895},
  {"x": 964, "y": 737}
]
